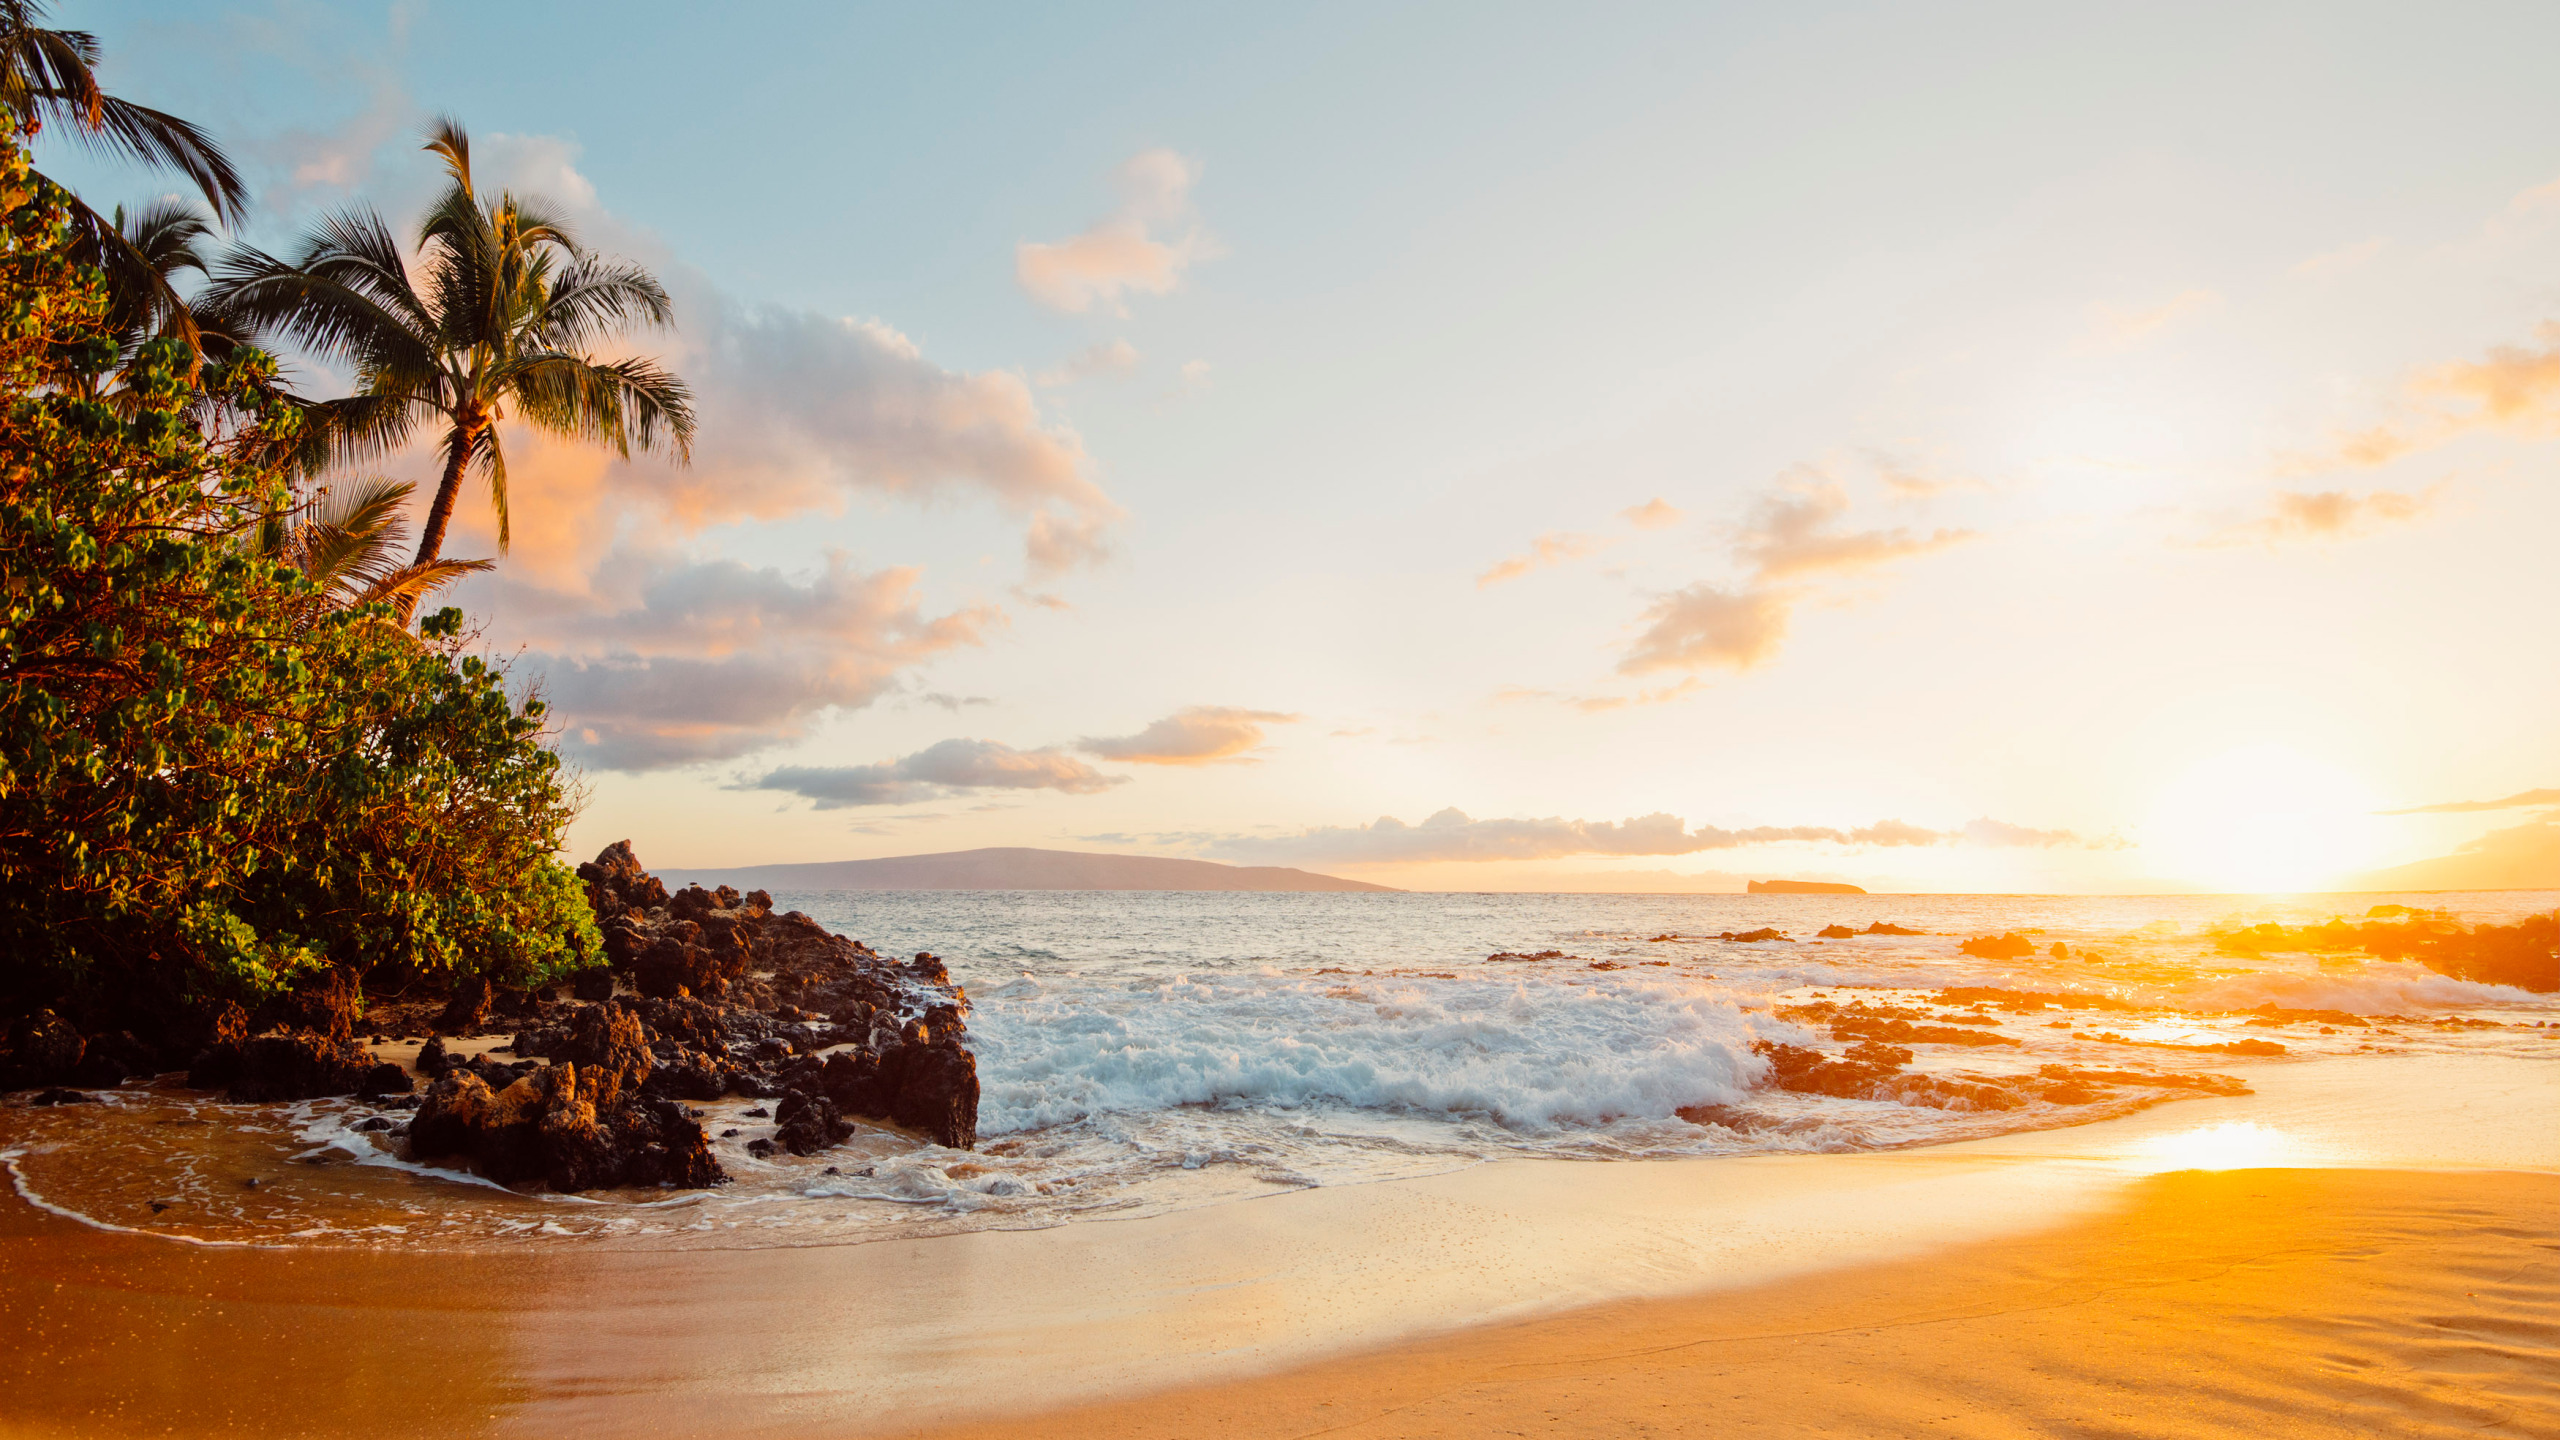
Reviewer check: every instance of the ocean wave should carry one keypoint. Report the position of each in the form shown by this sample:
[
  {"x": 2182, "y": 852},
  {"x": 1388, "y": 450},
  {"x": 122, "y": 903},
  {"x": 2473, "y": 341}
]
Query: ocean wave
[
  {"x": 1531, "y": 1053},
  {"x": 2378, "y": 988}
]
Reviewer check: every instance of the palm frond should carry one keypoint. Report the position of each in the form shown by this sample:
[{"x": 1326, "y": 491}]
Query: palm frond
[
  {"x": 447, "y": 139},
  {"x": 595, "y": 296},
  {"x": 158, "y": 138},
  {"x": 413, "y": 582},
  {"x": 622, "y": 403}
]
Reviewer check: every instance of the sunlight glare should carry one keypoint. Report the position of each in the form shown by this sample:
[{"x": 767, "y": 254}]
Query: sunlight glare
[
  {"x": 2235, "y": 1145},
  {"x": 2263, "y": 820}
]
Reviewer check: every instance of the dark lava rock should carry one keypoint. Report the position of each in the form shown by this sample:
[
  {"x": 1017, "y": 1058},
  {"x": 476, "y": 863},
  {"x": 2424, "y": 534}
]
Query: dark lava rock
[
  {"x": 43, "y": 1048},
  {"x": 1999, "y": 947},
  {"x": 1761, "y": 936},
  {"x": 934, "y": 1090},
  {"x": 1838, "y": 932},
  {"x": 1883, "y": 927},
  {"x": 294, "y": 1066},
  {"x": 733, "y": 1000},
  {"x": 466, "y": 1011},
  {"x": 57, "y": 1095},
  {"x": 810, "y": 1122},
  {"x": 326, "y": 1004}
]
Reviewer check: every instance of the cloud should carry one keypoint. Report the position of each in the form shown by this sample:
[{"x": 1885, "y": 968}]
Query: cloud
[
  {"x": 953, "y": 703},
  {"x": 952, "y": 767},
  {"x": 802, "y": 409},
  {"x": 1552, "y": 548},
  {"x": 1702, "y": 626},
  {"x": 2326, "y": 515},
  {"x": 2521, "y": 800},
  {"x": 1986, "y": 831},
  {"x": 1654, "y": 514},
  {"x": 673, "y": 662},
  {"x": 799, "y": 412},
  {"x": 2515, "y": 388},
  {"x": 2116, "y": 328},
  {"x": 1453, "y": 835},
  {"x": 1791, "y": 533},
  {"x": 1199, "y": 735},
  {"x": 1122, "y": 254},
  {"x": 1110, "y": 360},
  {"x": 1596, "y": 704},
  {"x": 2331, "y": 264}
]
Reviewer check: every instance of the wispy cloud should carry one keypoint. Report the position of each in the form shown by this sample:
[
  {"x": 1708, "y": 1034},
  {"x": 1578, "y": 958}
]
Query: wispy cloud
[
  {"x": 673, "y": 661},
  {"x": 2521, "y": 800},
  {"x": 1453, "y": 835},
  {"x": 1199, "y": 735},
  {"x": 2514, "y": 388},
  {"x": 1794, "y": 531},
  {"x": 1553, "y": 548},
  {"x": 2117, "y": 327},
  {"x": 2330, "y": 264},
  {"x": 1654, "y": 514},
  {"x": 1142, "y": 247},
  {"x": 940, "y": 771},
  {"x": 2325, "y": 515},
  {"x": 1110, "y": 360},
  {"x": 1703, "y": 626}
]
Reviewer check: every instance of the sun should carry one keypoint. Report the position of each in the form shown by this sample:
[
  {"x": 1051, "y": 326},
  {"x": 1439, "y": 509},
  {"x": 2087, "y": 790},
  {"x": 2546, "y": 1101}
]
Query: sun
[{"x": 2263, "y": 820}]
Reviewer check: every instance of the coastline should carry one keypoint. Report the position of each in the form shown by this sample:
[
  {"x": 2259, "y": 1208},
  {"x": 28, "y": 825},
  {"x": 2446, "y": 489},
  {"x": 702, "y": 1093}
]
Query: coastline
[
  {"x": 899, "y": 1335},
  {"x": 2212, "y": 1303}
]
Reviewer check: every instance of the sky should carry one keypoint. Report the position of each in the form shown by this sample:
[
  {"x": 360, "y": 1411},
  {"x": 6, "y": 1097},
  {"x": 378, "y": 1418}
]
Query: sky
[{"x": 1976, "y": 447}]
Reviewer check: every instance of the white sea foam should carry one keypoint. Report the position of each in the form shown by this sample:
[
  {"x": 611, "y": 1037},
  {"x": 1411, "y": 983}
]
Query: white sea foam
[
  {"x": 2377, "y": 988},
  {"x": 1529, "y": 1051}
]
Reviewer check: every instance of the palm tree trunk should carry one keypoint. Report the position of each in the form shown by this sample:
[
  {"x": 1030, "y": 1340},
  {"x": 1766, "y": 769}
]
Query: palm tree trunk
[{"x": 457, "y": 458}]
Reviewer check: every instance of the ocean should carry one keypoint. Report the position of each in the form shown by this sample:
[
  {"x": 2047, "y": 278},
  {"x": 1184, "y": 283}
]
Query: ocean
[{"x": 1142, "y": 1052}]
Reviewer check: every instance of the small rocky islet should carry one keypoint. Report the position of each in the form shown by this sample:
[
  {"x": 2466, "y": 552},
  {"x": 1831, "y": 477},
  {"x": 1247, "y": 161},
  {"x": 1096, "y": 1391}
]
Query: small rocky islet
[{"x": 706, "y": 994}]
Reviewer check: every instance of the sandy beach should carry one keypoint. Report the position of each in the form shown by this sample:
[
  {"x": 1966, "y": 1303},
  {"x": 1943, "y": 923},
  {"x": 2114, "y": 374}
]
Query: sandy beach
[
  {"x": 2345, "y": 1267},
  {"x": 2251, "y": 1302}
]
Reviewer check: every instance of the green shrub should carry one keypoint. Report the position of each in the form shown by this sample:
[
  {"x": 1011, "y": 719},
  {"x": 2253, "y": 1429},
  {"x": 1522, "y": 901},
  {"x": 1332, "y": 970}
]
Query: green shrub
[{"x": 212, "y": 779}]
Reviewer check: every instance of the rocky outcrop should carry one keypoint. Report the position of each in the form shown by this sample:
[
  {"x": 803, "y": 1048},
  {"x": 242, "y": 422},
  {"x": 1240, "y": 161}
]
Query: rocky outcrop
[
  {"x": 294, "y": 1065},
  {"x": 569, "y": 1128},
  {"x": 708, "y": 993}
]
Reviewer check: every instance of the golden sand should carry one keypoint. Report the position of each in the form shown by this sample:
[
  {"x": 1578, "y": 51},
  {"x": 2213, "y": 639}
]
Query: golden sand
[
  {"x": 2295, "y": 1302},
  {"x": 2243, "y": 1303}
]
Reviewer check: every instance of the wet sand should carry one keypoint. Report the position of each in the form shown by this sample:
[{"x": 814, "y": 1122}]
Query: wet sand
[
  {"x": 2239, "y": 1303},
  {"x": 2073, "y": 1281},
  {"x": 2250, "y": 1302}
]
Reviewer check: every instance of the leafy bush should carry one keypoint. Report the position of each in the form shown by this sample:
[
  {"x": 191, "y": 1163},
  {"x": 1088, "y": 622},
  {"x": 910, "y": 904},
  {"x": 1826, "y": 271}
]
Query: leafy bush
[{"x": 213, "y": 779}]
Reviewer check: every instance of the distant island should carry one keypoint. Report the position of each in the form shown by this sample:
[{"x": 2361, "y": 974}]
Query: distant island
[
  {"x": 1804, "y": 887},
  {"x": 1018, "y": 868}
]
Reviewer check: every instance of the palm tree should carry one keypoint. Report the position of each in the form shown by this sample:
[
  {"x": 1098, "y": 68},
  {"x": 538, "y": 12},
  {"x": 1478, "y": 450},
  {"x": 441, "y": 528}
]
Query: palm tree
[
  {"x": 495, "y": 318},
  {"x": 49, "y": 76},
  {"x": 348, "y": 543}
]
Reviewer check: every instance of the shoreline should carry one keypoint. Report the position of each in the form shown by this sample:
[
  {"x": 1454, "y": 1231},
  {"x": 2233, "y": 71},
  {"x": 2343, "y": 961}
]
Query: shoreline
[
  {"x": 895, "y": 1335},
  {"x": 2211, "y": 1303}
]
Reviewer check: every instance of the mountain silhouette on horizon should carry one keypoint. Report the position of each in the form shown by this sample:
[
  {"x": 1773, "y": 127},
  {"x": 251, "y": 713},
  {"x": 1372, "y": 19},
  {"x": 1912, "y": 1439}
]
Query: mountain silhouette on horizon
[{"x": 1013, "y": 867}]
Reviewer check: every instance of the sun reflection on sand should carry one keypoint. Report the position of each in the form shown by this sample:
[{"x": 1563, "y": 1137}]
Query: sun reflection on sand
[{"x": 2236, "y": 1145}]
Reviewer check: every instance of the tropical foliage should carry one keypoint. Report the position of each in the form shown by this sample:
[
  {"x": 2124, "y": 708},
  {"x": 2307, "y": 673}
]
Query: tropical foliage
[
  {"x": 219, "y": 768},
  {"x": 496, "y": 317},
  {"x": 48, "y": 78}
]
